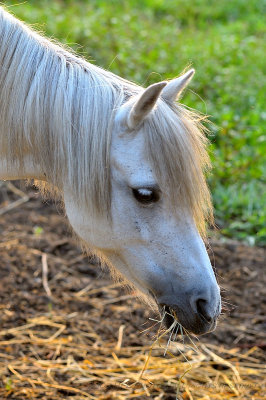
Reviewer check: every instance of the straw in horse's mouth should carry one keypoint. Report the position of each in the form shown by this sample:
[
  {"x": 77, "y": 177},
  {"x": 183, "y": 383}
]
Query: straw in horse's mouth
[{"x": 169, "y": 317}]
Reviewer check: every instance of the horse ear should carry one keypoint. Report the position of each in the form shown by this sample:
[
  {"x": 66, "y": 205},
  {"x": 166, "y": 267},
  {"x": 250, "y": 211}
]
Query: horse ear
[
  {"x": 175, "y": 87},
  {"x": 144, "y": 104}
]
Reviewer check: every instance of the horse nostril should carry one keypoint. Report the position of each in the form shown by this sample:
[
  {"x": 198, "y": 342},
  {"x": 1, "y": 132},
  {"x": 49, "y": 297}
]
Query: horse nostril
[{"x": 202, "y": 309}]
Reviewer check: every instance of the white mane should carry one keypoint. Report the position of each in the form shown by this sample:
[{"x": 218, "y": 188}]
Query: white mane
[{"x": 60, "y": 109}]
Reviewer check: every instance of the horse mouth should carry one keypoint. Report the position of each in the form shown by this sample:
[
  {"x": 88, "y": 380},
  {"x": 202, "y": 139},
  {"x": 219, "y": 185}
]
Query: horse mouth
[
  {"x": 176, "y": 319},
  {"x": 169, "y": 317}
]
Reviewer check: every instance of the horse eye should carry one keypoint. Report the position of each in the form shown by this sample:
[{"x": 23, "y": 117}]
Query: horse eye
[{"x": 145, "y": 195}]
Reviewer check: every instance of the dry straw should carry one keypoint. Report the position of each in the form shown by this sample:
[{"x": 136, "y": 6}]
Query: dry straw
[{"x": 58, "y": 364}]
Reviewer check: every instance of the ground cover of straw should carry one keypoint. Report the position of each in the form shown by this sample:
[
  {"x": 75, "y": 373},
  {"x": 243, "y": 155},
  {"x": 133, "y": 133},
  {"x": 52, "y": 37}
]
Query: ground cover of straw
[{"x": 68, "y": 332}]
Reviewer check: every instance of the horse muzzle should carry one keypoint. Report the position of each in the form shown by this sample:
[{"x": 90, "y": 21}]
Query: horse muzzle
[
  {"x": 198, "y": 317},
  {"x": 193, "y": 323}
]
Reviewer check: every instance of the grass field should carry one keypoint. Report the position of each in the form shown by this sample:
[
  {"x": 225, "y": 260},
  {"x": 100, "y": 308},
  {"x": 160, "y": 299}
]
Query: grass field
[{"x": 149, "y": 40}]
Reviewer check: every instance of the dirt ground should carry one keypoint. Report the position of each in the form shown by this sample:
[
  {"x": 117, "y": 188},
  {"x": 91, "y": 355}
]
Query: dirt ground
[{"x": 94, "y": 317}]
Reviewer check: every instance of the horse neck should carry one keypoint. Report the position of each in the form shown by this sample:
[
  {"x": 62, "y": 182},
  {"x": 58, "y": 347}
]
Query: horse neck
[
  {"x": 56, "y": 112},
  {"x": 19, "y": 55},
  {"x": 38, "y": 98}
]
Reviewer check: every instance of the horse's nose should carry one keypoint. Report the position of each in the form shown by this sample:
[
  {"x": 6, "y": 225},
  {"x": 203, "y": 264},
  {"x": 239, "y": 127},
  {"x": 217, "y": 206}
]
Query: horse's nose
[
  {"x": 206, "y": 304},
  {"x": 196, "y": 310},
  {"x": 204, "y": 310}
]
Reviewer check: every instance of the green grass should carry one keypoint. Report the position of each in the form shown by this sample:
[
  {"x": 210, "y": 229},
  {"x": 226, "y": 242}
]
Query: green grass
[{"x": 149, "y": 40}]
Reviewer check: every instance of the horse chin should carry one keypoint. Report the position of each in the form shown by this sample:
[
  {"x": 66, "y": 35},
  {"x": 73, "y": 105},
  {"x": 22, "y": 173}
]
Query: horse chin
[{"x": 177, "y": 320}]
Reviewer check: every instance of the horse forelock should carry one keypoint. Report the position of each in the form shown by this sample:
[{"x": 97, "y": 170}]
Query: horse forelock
[
  {"x": 176, "y": 145},
  {"x": 61, "y": 108}
]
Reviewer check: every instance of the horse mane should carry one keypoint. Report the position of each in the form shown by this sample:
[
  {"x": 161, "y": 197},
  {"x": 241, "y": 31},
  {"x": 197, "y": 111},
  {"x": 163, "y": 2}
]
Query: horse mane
[{"x": 60, "y": 109}]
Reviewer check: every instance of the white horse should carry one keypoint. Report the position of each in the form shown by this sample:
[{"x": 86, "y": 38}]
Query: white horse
[{"x": 128, "y": 162}]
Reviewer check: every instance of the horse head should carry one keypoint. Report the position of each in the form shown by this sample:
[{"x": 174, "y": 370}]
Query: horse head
[{"x": 157, "y": 190}]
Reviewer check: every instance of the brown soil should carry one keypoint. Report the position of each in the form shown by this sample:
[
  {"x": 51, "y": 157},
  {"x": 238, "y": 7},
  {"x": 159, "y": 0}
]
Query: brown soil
[{"x": 93, "y": 309}]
